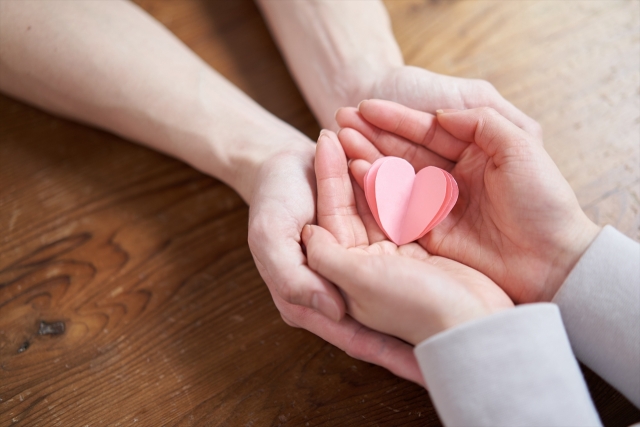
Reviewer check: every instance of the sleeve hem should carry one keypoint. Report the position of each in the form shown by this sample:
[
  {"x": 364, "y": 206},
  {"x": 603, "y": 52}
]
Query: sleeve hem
[{"x": 512, "y": 368}]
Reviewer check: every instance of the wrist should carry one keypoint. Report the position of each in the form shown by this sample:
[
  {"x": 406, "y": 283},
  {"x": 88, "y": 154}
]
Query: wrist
[
  {"x": 452, "y": 320},
  {"x": 355, "y": 80},
  {"x": 569, "y": 250},
  {"x": 231, "y": 139},
  {"x": 364, "y": 80},
  {"x": 334, "y": 50},
  {"x": 244, "y": 154}
]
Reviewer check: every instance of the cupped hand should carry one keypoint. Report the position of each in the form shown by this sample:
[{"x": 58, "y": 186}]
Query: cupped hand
[
  {"x": 517, "y": 219},
  {"x": 402, "y": 291},
  {"x": 427, "y": 91},
  {"x": 283, "y": 202}
]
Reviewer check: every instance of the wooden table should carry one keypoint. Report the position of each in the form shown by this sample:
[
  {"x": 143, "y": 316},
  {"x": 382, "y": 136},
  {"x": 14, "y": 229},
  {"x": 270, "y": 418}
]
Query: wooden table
[{"x": 128, "y": 295}]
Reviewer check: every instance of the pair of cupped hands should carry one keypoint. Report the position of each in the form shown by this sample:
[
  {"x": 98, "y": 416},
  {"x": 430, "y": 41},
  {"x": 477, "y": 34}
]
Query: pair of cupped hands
[{"x": 513, "y": 236}]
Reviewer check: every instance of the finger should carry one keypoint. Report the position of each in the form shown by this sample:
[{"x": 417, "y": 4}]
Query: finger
[
  {"x": 336, "y": 208},
  {"x": 359, "y": 169},
  {"x": 456, "y": 92},
  {"x": 283, "y": 266},
  {"x": 492, "y": 132},
  {"x": 348, "y": 117},
  {"x": 487, "y": 95},
  {"x": 325, "y": 254},
  {"x": 358, "y": 147},
  {"x": 386, "y": 351},
  {"x": 351, "y": 271},
  {"x": 374, "y": 232},
  {"x": 415, "y": 126},
  {"x": 358, "y": 139},
  {"x": 358, "y": 341}
]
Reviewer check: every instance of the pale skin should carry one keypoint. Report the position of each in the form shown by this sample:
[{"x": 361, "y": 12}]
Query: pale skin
[
  {"x": 400, "y": 290},
  {"x": 411, "y": 291},
  {"x": 110, "y": 65},
  {"x": 341, "y": 52},
  {"x": 516, "y": 220}
]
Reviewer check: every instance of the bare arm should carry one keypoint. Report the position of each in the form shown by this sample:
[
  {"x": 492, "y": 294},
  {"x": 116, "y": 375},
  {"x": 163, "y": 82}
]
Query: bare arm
[
  {"x": 341, "y": 52},
  {"x": 110, "y": 65},
  {"x": 335, "y": 49}
]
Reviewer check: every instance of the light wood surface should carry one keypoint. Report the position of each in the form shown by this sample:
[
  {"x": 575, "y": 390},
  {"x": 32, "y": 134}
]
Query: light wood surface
[{"x": 145, "y": 262}]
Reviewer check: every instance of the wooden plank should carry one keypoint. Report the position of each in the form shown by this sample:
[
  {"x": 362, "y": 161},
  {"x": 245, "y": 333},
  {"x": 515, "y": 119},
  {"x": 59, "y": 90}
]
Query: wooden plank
[
  {"x": 145, "y": 261},
  {"x": 572, "y": 66}
]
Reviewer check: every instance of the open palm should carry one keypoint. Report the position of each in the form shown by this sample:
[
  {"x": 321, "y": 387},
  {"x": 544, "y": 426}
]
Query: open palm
[
  {"x": 517, "y": 219},
  {"x": 400, "y": 290}
]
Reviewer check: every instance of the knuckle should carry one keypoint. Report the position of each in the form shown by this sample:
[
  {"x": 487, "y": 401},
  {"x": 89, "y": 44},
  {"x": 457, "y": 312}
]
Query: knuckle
[
  {"x": 487, "y": 116},
  {"x": 377, "y": 134},
  {"x": 486, "y": 85},
  {"x": 357, "y": 353},
  {"x": 487, "y": 128},
  {"x": 411, "y": 153},
  {"x": 257, "y": 233},
  {"x": 361, "y": 348},
  {"x": 288, "y": 321},
  {"x": 488, "y": 112},
  {"x": 314, "y": 256},
  {"x": 289, "y": 291},
  {"x": 536, "y": 129},
  {"x": 520, "y": 149}
]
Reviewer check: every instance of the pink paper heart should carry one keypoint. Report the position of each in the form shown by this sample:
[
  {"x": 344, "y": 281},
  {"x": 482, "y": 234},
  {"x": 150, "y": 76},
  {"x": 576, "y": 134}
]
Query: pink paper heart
[
  {"x": 406, "y": 205},
  {"x": 450, "y": 201}
]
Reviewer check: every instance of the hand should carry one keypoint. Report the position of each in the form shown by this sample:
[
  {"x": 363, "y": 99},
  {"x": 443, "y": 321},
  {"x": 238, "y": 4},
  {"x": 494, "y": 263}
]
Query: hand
[
  {"x": 426, "y": 91},
  {"x": 517, "y": 219},
  {"x": 402, "y": 291},
  {"x": 283, "y": 201}
]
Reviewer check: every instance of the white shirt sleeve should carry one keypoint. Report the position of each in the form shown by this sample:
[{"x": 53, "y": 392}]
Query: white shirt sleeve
[
  {"x": 514, "y": 368},
  {"x": 600, "y": 306}
]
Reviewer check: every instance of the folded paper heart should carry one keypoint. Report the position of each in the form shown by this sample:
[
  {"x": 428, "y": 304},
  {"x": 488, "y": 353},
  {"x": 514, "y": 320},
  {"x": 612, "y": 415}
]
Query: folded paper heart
[{"x": 407, "y": 205}]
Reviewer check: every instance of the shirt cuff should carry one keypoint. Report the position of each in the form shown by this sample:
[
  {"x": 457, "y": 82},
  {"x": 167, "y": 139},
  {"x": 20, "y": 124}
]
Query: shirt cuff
[
  {"x": 511, "y": 368},
  {"x": 600, "y": 306}
]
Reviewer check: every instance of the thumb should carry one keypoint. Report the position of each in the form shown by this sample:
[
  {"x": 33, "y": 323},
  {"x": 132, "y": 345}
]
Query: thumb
[
  {"x": 320, "y": 245},
  {"x": 336, "y": 206},
  {"x": 329, "y": 258},
  {"x": 488, "y": 129}
]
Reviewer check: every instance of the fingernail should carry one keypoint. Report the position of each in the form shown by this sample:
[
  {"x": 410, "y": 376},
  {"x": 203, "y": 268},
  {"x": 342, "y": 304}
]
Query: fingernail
[
  {"x": 323, "y": 134},
  {"x": 325, "y": 305},
  {"x": 447, "y": 110},
  {"x": 360, "y": 103},
  {"x": 335, "y": 115}
]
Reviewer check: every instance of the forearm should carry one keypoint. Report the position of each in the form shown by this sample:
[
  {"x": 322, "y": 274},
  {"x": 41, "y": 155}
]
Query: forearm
[
  {"x": 334, "y": 49},
  {"x": 110, "y": 65}
]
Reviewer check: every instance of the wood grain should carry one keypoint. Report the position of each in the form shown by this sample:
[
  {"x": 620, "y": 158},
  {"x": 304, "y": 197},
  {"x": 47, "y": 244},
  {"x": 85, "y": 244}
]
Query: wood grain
[{"x": 145, "y": 261}]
